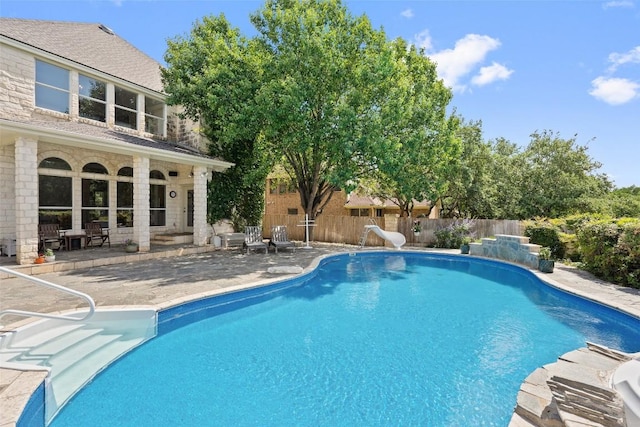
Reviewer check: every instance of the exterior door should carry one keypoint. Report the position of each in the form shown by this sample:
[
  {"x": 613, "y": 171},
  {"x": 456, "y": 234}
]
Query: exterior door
[{"x": 190, "y": 210}]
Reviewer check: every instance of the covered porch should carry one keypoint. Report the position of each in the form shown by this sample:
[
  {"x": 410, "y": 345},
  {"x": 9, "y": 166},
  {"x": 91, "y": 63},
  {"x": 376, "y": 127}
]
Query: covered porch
[{"x": 72, "y": 174}]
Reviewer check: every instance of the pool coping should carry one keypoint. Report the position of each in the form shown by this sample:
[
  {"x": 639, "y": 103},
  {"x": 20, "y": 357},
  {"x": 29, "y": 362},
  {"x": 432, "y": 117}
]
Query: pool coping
[{"x": 17, "y": 386}]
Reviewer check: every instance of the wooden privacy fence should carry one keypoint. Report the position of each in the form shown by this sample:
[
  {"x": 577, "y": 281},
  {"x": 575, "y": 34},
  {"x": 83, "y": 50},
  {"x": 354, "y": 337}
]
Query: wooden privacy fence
[
  {"x": 481, "y": 228},
  {"x": 348, "y": 229},
  {"x": 328, "y": 228}
]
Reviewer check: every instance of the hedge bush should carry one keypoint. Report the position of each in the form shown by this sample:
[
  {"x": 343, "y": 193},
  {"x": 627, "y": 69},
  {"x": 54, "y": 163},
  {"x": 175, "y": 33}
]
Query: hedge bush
[
  {"x": 610, "y": 249},
  {"x": 543, "y": 233},
  {"x": 454, "y": 235}
]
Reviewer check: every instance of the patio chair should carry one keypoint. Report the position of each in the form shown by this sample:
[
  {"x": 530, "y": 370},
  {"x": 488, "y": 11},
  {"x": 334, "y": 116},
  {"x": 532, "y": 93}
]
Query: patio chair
[
  {"x": 279, "y": 238},
  {"x": 253, "y": 239},
  {"x": 50, "y": 237},
  {"x": 96, "y": 235}
]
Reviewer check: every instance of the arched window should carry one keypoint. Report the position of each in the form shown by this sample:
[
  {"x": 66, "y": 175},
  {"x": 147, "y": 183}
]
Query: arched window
[
  {"x": 95, "y": 168},
  {"x": 55, "y": 193},
  {"x": 126, "y": 171},
  {"x": 125, "y": 197},
  {"x": 55, "y": 163},
  {"x": 157, "y": 200},
  {"x": 95, "y": 196},
  {"x": 155, "y": 174}
]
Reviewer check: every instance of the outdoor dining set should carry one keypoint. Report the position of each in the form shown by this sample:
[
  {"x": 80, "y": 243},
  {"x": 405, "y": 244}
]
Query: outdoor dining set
[{"x": 51, "y": 237}]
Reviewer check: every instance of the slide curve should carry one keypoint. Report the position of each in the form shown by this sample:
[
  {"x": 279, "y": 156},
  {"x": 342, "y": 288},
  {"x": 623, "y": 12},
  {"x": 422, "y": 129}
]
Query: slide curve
[
  {"x": 626, "y": 381},
  {"x": 396, "y": 239}
]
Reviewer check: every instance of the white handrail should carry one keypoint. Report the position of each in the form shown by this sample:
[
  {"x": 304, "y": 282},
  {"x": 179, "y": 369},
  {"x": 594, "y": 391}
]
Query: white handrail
[{"x": 92, "y": 304}]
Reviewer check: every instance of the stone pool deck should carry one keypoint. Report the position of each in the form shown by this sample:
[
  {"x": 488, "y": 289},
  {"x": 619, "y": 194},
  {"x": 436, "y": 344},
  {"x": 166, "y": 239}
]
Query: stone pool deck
[{"x": 166, "y": 276}]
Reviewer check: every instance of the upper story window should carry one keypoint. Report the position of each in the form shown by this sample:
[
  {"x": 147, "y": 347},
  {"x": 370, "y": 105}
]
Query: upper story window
[
  {"x": 53, "y": 92},
  {"x": 92, "y": 98},
  {"x": 126, "y": 108},
  {"x": 52, "y": 87},
  {"x": 153, "y": 116}
]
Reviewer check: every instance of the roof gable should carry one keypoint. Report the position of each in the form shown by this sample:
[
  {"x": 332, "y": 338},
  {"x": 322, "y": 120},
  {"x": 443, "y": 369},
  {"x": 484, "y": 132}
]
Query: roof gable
[{"x": 89, "y": 44}]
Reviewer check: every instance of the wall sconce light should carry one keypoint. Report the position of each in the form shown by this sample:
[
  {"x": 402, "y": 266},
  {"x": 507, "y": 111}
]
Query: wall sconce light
[{"x": 191, "y": 173}]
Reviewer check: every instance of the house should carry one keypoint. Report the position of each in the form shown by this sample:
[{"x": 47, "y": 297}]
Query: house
[
  {"x": 86, "y": 136},
  {"x": 282, "y": 198}
]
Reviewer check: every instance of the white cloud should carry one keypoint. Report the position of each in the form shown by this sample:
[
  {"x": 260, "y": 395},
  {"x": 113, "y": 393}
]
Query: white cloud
[
  {"x": 407, "y": 13},
  {"x": 617, "y": 3},
  {"x": 618, "y": 59},
  {"x": 614, "y": 91},
  {"x": 490, "y": 74},
  {"x": 468, "y": 53},
  {"x": 423, "y": 40}
]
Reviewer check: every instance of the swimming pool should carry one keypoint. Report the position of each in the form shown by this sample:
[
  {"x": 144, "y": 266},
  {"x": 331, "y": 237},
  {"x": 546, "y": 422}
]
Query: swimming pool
[{"x": 371, "y": 339}]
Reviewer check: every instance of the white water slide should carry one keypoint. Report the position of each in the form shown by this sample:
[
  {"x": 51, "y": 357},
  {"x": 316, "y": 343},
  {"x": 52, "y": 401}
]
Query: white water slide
[
  {"x": 396, "y": 239},
  {"x": 626, "y": 381}
]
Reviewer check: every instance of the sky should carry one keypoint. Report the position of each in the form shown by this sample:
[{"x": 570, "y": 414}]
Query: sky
[{"x": 519, "y": 66}]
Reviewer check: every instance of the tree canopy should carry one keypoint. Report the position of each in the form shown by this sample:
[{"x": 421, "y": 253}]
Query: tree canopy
[
  {"x": 320, "y": 92},
  {"x": 214, "y": 75},
  {"x": 550, "y": 177},
  {"x": 418, "y": 148}
]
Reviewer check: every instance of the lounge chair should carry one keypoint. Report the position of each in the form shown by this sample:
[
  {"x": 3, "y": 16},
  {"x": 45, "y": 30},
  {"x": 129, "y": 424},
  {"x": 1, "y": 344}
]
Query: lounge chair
[
  {"x": 279, "y": 239},
  {"x": 50, "y": 237},
  {"x": 253, "y": 239},
  {"x": 96, "y": 235}
]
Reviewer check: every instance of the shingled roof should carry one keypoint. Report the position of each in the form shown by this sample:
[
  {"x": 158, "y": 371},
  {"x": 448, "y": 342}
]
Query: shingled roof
[
  {"x": 358, "y": 201},
  {"x": 82, "y": 129},
  {"x": 91, "y": 44}
]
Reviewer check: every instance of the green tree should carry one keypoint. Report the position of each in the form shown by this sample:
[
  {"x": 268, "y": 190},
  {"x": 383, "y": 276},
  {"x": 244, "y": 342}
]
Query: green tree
[
  {"x": 326, "y": 73},
  {"x": 472, "y": 191},
  {"x": 619, "y": 203},
  {"x": 215, "y": 74},
  {"x": 507, "y": 171},
  {"x": 318, "y": 91},
  {"x": 558, "y": 173},
  {"x": 417, "y": 148}
]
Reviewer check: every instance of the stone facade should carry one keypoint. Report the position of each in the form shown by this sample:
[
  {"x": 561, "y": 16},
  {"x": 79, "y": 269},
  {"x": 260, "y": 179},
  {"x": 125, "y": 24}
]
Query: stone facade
[
  {"x": 508, "y": 248},
  {"x": 7, "y": 192},
  {"x": 185, "y": 132},
  {"x": 30, "y": 134},
  {"x": 17, "y": 74}
]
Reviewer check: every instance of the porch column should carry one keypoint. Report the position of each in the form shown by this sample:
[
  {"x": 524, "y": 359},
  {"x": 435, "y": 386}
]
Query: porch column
[
  {"x": 200, "y": 229},
  {"x": 26, "y": 197},
  {"x": 141, "y": 208}
]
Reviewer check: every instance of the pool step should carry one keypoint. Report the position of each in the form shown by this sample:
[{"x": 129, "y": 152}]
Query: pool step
[
  {"x": 65, "y": 382},
  {"x": 75, "y": 352}
]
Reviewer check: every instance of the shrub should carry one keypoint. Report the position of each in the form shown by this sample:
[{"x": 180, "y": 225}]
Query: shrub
[
  {"x": 545, "y": 253},
  {"x": 569, "y": 242},
  {"x": 611, "y": 250},
  {"x": 543, "y": 233},
  {"x": 454, "y": 235}
]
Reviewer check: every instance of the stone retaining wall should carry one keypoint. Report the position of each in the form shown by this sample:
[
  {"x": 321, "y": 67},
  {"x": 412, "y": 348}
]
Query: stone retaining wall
[{"x": 508, "y": 248}]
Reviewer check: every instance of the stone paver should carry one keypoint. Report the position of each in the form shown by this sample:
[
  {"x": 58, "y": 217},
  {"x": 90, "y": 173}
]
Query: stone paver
[{"x": 156, "y": 282}]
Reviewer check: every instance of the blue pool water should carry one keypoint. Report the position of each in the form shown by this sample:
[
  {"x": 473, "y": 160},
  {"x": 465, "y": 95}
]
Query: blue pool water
[{"x": 367, "y": 340}]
